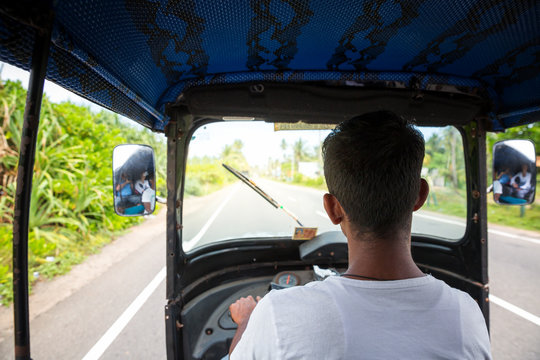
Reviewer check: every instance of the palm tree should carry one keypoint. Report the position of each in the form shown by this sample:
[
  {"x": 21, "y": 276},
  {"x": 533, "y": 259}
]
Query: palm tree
[{"x": 299, "y": 152}]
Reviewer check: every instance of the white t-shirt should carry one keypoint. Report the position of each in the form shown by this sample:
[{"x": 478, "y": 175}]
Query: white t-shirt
[
  {"x": 525, "y": 183},
  {"x": 140, "y": 186},
  {"x": 341, "y": 318}
]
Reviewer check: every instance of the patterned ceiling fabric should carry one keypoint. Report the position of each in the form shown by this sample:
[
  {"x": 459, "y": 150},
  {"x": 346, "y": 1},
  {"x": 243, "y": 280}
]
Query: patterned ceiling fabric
[{"x": 135, "y": 56}]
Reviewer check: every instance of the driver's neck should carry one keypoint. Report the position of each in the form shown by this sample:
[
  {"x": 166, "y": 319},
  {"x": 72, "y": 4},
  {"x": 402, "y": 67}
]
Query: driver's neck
[{"x": 382, "y": 258}]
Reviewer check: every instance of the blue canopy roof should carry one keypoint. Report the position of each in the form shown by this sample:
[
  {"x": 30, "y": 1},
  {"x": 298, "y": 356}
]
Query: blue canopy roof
[{"x": 135, "y": 56}]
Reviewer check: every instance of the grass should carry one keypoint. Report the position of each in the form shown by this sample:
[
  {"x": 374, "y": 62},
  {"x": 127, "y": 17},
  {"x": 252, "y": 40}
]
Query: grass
[{"x": 511, "y": 215}]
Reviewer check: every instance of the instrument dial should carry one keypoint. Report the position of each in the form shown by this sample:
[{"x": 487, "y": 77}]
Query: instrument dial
[{"x": 287, "y": 279}]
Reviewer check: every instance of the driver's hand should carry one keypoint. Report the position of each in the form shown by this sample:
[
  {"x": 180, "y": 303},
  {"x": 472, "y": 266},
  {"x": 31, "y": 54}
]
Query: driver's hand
[{"x": 241, "y": 309}]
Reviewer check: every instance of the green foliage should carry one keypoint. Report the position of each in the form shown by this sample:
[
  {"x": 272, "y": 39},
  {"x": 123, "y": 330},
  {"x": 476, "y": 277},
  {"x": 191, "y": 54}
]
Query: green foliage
[
  {"x": 530, "y": 132},
  {"x": 232, "y": 155},
  {"x": 206, "y": 174},
  {"x": 444, "y": 156},
  {"x": 71, "y": 209},
  {"x": 318, "y": 182}
]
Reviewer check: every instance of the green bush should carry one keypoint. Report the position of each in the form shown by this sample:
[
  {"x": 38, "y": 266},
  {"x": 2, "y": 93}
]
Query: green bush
[
  {"x": 71, "y": 210},
  {"x": 318, "y": 182},
  {"x": 205, "y": 175}
]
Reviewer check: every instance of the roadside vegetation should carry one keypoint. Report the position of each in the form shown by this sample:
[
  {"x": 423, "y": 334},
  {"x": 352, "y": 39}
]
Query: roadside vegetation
[
  {"x": 205, "y": 175},
  {"x": 71, "y": 211}
]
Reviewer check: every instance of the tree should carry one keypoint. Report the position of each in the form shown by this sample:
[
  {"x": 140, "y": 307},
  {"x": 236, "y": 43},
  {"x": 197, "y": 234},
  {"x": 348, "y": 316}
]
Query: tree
[
  {"x": 232, "y": 155},
  {"x": 531, "y": 132},
  {"x": 299, "y": 152},
  {"x": 444, "y": 154}
]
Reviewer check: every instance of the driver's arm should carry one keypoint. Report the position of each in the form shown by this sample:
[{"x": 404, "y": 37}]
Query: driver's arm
[
  {"x": 240, "y": 312},
  {"x": 256, "y": 336}
]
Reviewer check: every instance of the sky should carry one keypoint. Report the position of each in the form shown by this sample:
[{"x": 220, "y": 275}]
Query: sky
[{"x": 261, "y": 142}]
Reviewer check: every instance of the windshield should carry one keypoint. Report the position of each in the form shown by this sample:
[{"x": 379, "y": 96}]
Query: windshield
[{"x": 287, "y": 166}]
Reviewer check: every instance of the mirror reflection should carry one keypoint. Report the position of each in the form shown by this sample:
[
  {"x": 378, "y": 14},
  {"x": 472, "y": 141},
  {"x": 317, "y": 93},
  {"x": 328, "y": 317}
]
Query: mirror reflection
[
  {"x": 134, "y": 180},
  {"x": 514, "y": 172}
]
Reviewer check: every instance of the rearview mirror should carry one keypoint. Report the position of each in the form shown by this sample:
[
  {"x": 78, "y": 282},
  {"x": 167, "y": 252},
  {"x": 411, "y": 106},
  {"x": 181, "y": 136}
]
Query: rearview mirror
[
  {"x": 514, "y": 172},
  {"x": 134, "y": 180}
]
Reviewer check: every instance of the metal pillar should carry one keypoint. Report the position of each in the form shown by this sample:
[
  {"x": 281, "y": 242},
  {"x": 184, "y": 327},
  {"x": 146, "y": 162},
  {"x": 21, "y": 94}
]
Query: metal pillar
[
  {"x": 177, "y": 140},
  {"x": 24, "y": 190}
]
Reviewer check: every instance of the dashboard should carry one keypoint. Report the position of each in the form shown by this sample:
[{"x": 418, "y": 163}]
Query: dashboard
[{"x": 208, "y": 327}]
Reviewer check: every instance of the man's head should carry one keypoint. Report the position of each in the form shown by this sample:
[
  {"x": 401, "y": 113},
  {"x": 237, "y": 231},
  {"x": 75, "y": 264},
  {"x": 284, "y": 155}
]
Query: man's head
[{"x": 372, "y": 166}]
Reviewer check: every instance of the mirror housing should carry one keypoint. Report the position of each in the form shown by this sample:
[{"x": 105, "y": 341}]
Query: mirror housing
[
  {"x": 134, "y": 180},
  {"x": 514, "y": 172}
]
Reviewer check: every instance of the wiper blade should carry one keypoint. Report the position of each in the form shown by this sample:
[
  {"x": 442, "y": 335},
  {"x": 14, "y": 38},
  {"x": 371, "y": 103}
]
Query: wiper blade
[{"x": 260, "y": 191}]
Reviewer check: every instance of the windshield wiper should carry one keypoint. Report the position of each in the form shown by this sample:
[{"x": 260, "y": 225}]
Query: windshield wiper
[{"x": 260, "y": 191}]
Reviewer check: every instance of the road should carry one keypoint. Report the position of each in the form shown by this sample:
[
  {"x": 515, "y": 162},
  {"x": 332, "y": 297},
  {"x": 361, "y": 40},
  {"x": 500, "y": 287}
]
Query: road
[{"x": 111, "y": 307}]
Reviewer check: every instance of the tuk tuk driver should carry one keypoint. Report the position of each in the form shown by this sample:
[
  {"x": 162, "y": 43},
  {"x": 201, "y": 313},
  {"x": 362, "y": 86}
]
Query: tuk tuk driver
[{"x": 383, "y": 306}]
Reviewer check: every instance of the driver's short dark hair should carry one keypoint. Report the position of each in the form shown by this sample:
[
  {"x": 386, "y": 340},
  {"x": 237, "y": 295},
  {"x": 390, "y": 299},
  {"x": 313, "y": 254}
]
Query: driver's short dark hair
[{"x": 372, "y": 165}]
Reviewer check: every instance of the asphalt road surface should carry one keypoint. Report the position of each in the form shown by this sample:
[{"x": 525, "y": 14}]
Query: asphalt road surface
[{"x": 111, "y": 307}]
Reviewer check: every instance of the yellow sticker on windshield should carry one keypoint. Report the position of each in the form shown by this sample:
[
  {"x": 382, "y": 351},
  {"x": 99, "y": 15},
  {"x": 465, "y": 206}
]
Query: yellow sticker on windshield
[
  {"x": 304, "y": 233},
  {"x": 302, "y": 126}
]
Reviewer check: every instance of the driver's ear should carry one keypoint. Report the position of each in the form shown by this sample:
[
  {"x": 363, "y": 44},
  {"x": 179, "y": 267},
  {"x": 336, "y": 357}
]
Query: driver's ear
[
  {"x": 333, "y": 209},
  {"x": 422, "y": 194}
]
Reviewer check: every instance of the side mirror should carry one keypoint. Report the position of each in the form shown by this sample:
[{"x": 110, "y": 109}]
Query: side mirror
[
  {"x": 134, "y": 180},
  {"x": 514, "y": 172}
]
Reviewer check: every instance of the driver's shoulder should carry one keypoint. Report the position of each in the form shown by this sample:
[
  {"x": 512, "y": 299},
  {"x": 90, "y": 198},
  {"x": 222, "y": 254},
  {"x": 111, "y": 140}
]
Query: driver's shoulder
[{"x": 313, "y": 295}]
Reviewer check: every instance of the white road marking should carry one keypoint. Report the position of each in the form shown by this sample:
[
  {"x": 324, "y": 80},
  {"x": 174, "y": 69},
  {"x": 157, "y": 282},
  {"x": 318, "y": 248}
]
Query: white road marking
[
  {"x": 491, "y": 231},
  {"x": 324, "y": 215},
  {"x": 453, "y": 222},
  {"x": 519, "y": 237},
  {"x": 516, "y": 310},
  {"x": 106, "y": 340},
  {"x": 188, "y": 245}
]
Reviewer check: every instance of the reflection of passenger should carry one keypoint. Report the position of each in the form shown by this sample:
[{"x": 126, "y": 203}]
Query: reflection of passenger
[
  {"x": 149, "y": 198},
  {"x": 502, "y": 179},
  {"x": 383, "y": 306},
  {"x": 521, "y": 182},
  {"x": 125, "y": 188},
  {"x": 503, "y": 176},
  {"x": 147, "y": 189},
  {"x": 142, "y": 184}
]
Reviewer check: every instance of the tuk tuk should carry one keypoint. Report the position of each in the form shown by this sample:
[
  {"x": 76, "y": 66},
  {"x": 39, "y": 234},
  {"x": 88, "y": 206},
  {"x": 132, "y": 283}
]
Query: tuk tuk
[{"x": 193, "y": 70}]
